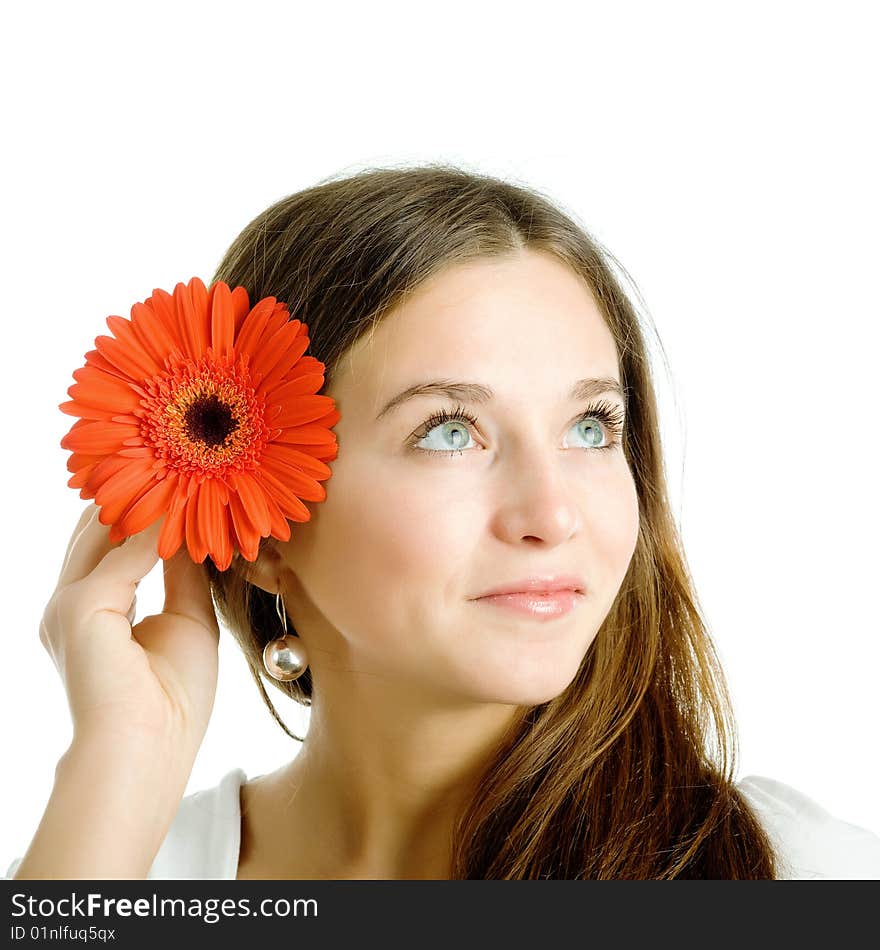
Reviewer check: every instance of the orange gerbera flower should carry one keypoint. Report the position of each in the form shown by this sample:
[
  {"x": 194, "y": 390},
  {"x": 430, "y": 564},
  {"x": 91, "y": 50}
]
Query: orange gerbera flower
[{"x": 206, "y": 410}]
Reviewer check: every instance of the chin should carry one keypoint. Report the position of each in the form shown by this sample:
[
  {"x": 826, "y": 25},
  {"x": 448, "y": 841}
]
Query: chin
[{"x": 522, "y": 692}]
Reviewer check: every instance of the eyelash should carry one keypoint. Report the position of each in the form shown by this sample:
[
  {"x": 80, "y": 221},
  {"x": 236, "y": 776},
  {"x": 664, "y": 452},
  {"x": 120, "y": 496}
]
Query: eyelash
[{"x": 609, "y": 415}]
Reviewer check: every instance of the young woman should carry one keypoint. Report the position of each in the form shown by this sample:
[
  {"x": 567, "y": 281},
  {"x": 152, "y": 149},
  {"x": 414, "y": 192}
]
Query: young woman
[{"x": 498, "y": 432}]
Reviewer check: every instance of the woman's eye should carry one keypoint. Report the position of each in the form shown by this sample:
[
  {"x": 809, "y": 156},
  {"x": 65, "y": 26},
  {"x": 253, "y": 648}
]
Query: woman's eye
[
  {"x": 448, "y": 433},
  {"x": 452, "y": 435}
]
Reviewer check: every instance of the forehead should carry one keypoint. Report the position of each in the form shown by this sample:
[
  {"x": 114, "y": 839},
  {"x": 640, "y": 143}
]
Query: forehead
[{"x": 525, "y": 323}]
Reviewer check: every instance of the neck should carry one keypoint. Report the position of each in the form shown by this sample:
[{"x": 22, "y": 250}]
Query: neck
[{"x": 382, "y": 776}]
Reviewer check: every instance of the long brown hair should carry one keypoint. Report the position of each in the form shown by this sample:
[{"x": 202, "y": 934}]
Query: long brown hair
[{"x": 628, "y": 774}]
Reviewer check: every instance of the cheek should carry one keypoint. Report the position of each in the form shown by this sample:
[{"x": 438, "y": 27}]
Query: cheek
[
  {"x": 613, "y": 528},
  {"x": 397, "y": 525},
  {"x": 381, "y": 547}
]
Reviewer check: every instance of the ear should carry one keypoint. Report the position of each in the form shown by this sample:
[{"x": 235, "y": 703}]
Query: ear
[{"x": 266, "y": 571}]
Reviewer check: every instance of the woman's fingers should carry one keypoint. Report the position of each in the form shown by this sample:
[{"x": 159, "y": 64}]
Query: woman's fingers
[
  {"x": 89, "y": 542},
  {"x": 117, "y": 568},
  {"x": 187, "y": 591},
  {"x": 123, "y": 567}
]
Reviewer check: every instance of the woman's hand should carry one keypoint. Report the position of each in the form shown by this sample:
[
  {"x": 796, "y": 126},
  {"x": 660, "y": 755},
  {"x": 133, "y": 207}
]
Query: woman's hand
[{"x": 153, "y": 682}]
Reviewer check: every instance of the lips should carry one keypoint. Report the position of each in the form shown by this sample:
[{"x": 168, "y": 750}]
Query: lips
[
  {"x": 536, "y": 605},
  {"x": 543, "y": 584}
]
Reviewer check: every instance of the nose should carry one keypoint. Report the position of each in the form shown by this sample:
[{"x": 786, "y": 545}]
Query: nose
[{"x": 538, "y": 499}]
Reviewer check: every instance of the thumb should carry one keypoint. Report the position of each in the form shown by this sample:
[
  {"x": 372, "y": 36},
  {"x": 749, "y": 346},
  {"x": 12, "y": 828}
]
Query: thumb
[{"x": 122, "y": 568}]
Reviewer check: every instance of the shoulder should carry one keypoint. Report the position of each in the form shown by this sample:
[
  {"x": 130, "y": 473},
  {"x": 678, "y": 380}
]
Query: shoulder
[
  {"x": 204, "y": 838},
  {"x": 811, "y": 843}
]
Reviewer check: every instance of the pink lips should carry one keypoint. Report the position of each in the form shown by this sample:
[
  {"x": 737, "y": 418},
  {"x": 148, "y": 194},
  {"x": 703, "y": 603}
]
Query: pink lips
[
  {"x": 542, "y": 584},
  {"x": 543, "y": 597},
  {"x": 533, "y": 604}
]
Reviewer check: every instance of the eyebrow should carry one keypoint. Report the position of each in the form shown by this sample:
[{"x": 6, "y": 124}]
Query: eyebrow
[{"x": 477, "y": 393}]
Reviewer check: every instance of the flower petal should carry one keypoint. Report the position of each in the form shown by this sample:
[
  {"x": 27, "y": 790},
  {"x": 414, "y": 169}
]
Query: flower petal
[
  {"x": 302, "y": 409},
  {"x": 223, "y": 550},
  {"x": 279, "y": 317},
  {"x": 248, "y": 537},
  {"x": 149, "y": 506},
  {"x": 81, "y": 477},
  {"x": 273, "y": 347},
  {"x": 286, "y": 500},
  {"x": 222, "y": 319},
  {"x": 253, "y": 501},
  {"x": 211, "y": 516},
  {"x": 171, "y": 535},
  {"x": 306, "y": 435},
  {"x": 195, "y": 543},
  {"x": 153, "y": 331},
  {"x": 162, "y": 304},
  {"x": 252, "y": 326},
  {"x": 280, "y": 524},
  {"x": 124, "y": 331},
  {"x": 298, "y": 470},
  {"x": 306, "y": 384},
  {"x": 77, "y": 461},
  {"x": 241, "y": 305},
  {"x": 202, "y": 309},
  {"x": 131, "y": 362},
  {"x": 72, "y": 408},
  {"x": 96, "y": 361},
  {"x": 281, "y": 370},
  {"x": 186, "y": 329},
  {"x": 98, "y": 438},
  {"x": 103, "y": 391},
  {"x": 137, "y": 452},
  {"x": 122, "y": 489}
]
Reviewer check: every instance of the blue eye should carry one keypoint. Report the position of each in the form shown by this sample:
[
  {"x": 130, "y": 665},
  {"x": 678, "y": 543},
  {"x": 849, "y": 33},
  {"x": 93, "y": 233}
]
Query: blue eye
[{"x": 610, "y": 416}]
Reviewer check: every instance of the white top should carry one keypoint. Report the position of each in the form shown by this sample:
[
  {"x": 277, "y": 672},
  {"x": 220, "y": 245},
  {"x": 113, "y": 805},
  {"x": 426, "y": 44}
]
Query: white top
[{"x": 204, "y": 838}]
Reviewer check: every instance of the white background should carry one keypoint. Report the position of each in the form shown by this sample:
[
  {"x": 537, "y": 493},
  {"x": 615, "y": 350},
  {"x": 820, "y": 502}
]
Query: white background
[{"x": 727, "y": 154}]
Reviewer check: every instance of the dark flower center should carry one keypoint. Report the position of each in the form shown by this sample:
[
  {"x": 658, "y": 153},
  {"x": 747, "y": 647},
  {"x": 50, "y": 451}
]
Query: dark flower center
[{"x": 209, "y": 420}]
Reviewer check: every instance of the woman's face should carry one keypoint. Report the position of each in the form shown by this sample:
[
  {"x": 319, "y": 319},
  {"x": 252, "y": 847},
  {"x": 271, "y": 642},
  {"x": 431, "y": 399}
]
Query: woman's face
[{"x": 385, "y": 573}]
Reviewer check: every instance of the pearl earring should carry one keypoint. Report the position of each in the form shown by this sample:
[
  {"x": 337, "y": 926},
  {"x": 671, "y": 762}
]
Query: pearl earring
[{"x": 285, "y": 658}]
